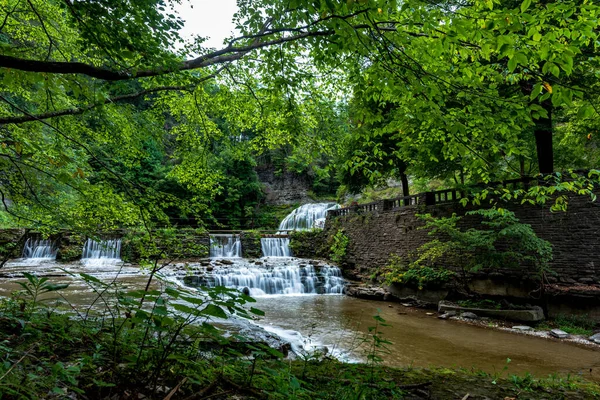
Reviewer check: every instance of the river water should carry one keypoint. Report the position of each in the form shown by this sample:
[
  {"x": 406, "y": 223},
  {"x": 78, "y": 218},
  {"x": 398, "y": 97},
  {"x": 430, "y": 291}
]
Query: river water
[{"x": 341, "y": 323}]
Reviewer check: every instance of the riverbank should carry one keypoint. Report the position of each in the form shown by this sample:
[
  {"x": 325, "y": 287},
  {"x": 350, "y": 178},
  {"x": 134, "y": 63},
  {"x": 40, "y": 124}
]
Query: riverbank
[
  {"x": 52, "y": 356},
  {"x": 574, "y": 329}
]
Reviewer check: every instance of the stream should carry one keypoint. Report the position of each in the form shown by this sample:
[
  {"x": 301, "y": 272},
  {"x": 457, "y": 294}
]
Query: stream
[{"x": 335, "y": 320}]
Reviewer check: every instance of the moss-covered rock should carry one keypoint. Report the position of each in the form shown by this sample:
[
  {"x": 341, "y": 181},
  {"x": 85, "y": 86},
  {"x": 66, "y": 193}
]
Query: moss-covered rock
[
  {"x": 309, "y": 244},
  {"x": 251, "y": 247},
  {"x": 11, "y": 242},
  {"x": 70, "y": 246}
]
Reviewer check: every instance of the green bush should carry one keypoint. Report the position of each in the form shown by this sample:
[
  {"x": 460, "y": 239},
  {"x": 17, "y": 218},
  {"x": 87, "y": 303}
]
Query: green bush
[
  {"x": 339, "y": 247},
  {"x": 399, "y": 270},
  {"x": 503, "y": 242}
]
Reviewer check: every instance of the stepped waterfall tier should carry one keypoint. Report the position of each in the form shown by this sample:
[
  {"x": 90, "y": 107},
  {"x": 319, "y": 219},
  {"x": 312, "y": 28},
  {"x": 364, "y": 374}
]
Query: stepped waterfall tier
[
  {"x": 276, "y": 247},
  {"x": 225, "y": 246},
  {"x": 40, "y": 249},
  {"x": 272, "y": 278},
  {"x": 98, "y": 253},
  {"x": 307, "y": 217}
]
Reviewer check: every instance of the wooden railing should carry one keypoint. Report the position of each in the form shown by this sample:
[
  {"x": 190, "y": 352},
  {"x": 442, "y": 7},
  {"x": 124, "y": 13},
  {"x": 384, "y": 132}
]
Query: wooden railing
[{"x": 442, "y": 196}]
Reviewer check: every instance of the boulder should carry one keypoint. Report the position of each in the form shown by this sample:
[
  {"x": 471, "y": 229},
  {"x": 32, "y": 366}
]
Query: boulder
[
  {"x": 469, "y": 315},
  {"x": 366, "y": 292},
  {"x": 595, "y": 338},
  {"x": 559, "y": 334},
  {"x": 447, "y": 315},
  {"x": 534, "y": 314}
]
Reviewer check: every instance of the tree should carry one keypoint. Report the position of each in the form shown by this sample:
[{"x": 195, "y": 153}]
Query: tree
[{"x": 468, "y": 82}]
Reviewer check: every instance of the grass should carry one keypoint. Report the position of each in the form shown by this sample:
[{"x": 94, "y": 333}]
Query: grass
[{"x": 572, "y": 324}]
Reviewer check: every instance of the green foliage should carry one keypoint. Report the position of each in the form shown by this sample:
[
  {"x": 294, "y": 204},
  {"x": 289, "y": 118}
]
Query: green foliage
[
  {"x": 308, "y": 243},
  {"x": 415, "y": 273},
  {"x": 485, "y": 303},
  {"x": 33, "y": 288},
  {"x": 571, "y": 323},
  {"x": 339, "y": 246},
  {"x": 555, "y": 189},
  {"x": 505, "y": 243},
  {"x": 137, "y": 339},
  {"x": 164, "y": 245}
]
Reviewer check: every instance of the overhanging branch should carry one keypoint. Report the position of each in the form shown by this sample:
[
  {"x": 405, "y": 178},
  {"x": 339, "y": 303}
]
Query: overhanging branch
[
  {"x": 80, "y": 110},
  {"x": 228, "y": 54}
]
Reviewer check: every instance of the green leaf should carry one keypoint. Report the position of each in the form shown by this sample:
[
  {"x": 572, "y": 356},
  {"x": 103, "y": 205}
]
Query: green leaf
[
  {"x": 585, "y": 111},
  {"x": 214, "y": 311},
  {"x": 53, "y": 287},
  {"x": 537, "y": 89},
  {"x": 525, "y": 5},
  {"x": 512, "y": 64},
  {"x": 256, "y": 311}
]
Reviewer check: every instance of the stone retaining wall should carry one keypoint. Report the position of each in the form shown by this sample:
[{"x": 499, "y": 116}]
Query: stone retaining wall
[{"x": 575, "y": 237}]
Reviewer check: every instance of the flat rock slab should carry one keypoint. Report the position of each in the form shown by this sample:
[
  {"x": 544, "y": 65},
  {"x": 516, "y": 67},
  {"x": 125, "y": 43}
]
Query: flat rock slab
[
  {"x": 522, "y": 328},
  {"x": 559, "y": 334},
  {"x": 469, "y": 315},
  {"x": 447, "y": 315},
  {"x": 595, "y": 338},
  {"x": 534, "y": 314}
]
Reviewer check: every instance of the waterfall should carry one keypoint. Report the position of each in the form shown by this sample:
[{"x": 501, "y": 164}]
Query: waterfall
[
  {"x": 306, "y": 217},
  {"x": 98, "y": 253},
  {"x": 225, "y": 246},
  {"x": 333, "y": 280},
  {"x": 276, "y": 247},
  {"x": 273, "y": 279},
  {"x": 39, "y": 249}
]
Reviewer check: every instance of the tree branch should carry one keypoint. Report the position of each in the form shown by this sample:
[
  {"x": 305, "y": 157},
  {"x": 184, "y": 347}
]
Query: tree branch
[
  {"x": 227, "y": 54},
  {"x": 80, "y": 110}
]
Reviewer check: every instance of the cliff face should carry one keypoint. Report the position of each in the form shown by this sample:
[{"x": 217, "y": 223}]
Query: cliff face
[{"x": 284, "y": 188}]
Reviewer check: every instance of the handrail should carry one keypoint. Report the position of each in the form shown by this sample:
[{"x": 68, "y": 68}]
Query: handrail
[{"x": 444, "y": 196}]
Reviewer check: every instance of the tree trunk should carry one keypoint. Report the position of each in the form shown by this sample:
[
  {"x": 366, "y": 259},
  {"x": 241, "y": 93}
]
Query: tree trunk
[
  {"x": 405, "y": 188},
  {"x": 543, "y": 141}
]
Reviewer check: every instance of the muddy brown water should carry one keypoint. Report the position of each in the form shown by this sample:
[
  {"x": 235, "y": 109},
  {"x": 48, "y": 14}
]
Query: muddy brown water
[
  {"x": 422, "y": 341},
  {"x": 341, "y": 323}
]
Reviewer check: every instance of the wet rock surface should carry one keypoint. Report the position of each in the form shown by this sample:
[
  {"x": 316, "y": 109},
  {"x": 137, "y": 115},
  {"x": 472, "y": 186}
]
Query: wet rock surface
[
  {"x": 595, "y": 338},
  {"x": 534, "y": 314},
  {"x": 557, "y": 333},
  {"x": 469, "y": 315},
  {"x": 523, "y": 328}
]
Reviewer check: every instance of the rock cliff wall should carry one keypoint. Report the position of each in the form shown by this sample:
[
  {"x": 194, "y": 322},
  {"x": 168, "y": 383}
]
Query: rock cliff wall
[{"x": 284, "y": 188}]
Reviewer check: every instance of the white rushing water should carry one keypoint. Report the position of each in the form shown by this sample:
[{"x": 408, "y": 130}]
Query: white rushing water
[
  {"x": 273, "y": 278},
  {"x": 100, "y": 253},
  {"x": 276, "y": 247},
  {"x": 307, "y": 217},
  {"x": 222, "y": 245},
  {"x": 39, "y": 249}
]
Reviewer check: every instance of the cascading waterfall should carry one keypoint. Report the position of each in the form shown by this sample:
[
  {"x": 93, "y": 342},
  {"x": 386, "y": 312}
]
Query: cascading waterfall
[
  {"x": 39, "y": 249},
  {"x": 276, "y": 247},
  {"x": 98, "y": 253},
  {"x": 225, "y": 246},
  {"x": 304, "y": 217},
  {"x": 273, "y": 279},
  {"x": 308, "y": 216},
  {"x": 333, "y": 280}
]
